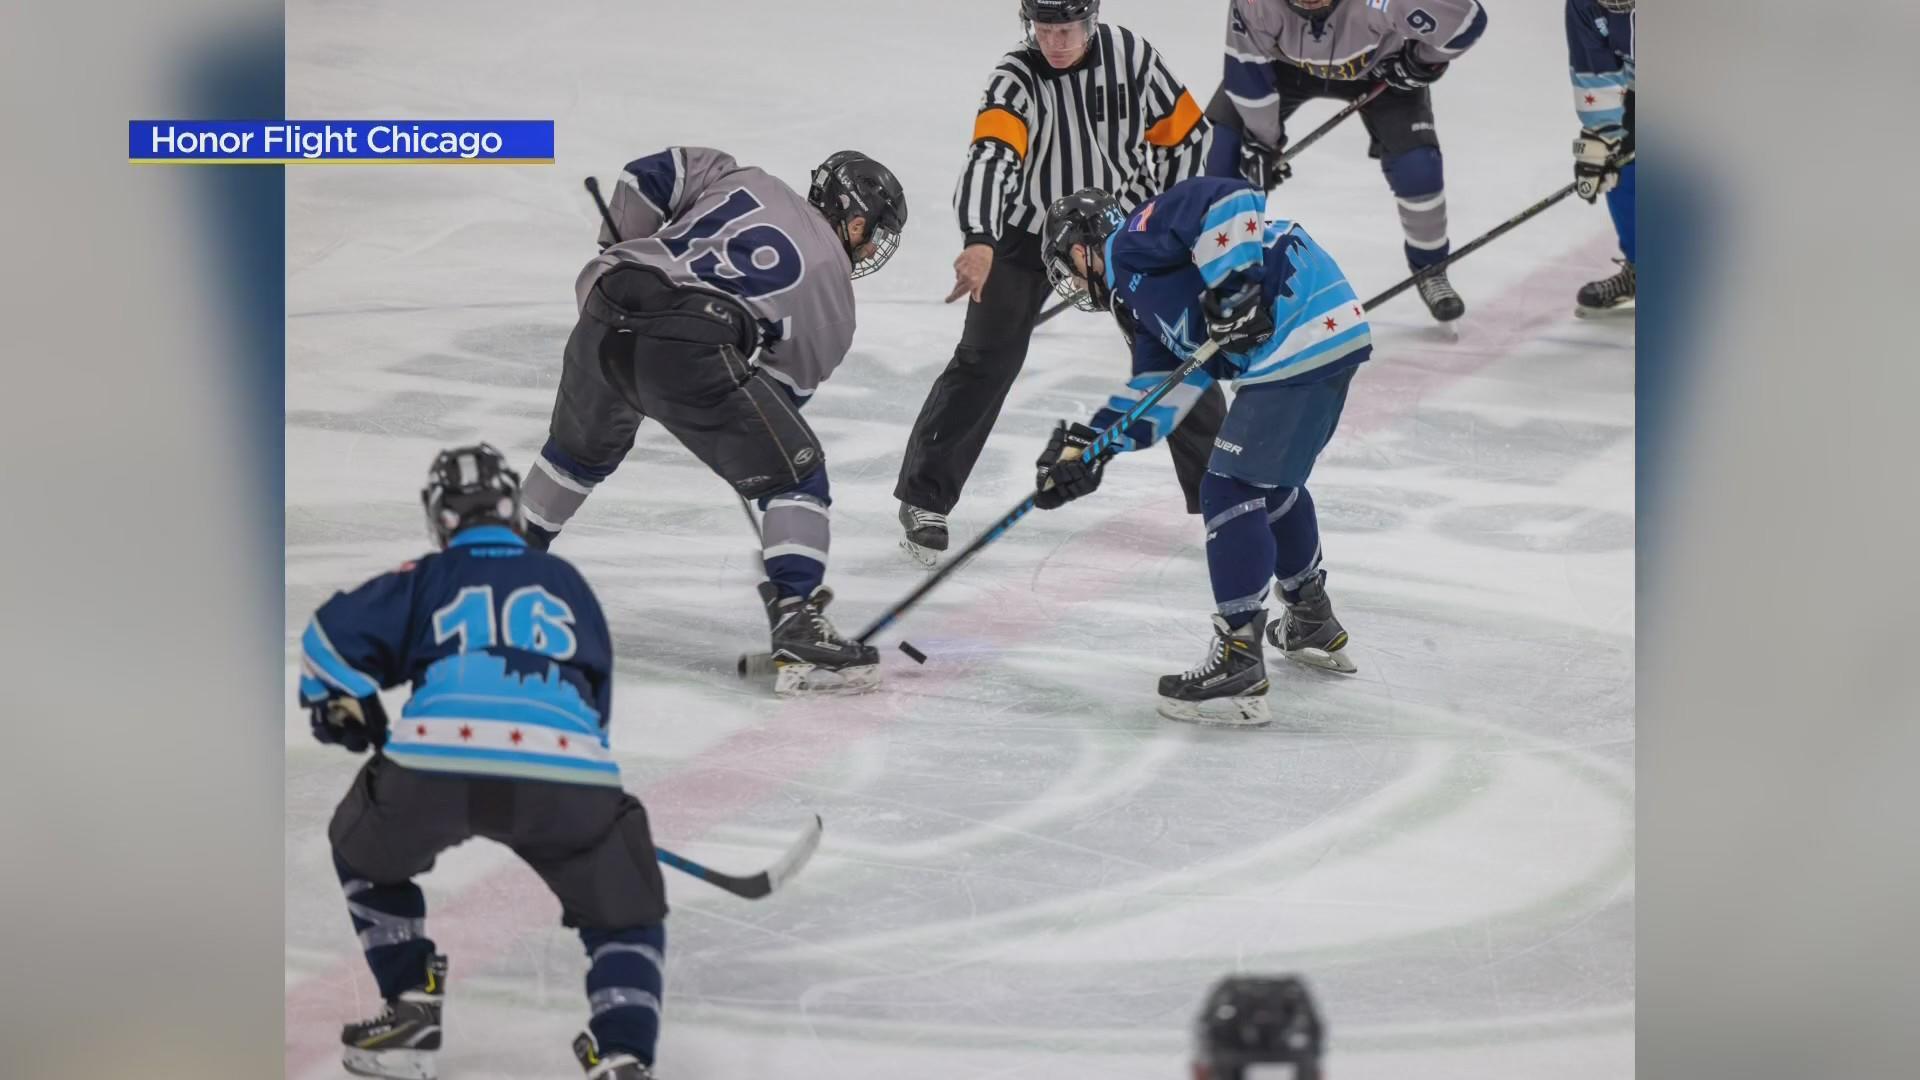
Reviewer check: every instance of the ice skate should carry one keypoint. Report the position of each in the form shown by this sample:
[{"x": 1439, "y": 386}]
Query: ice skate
[
  {"x": 402, "y": 1042},
  {"x": 1442, "y": 302},
  {"x": 926, "y": 535},
  {"x": 1229, "y": 688},
  {"x": 1610, "y": 295},
  {"x": 618, "y": 1065},
  {"x": 809, "y": 655},
  {"x": 1310, "y": 633}
]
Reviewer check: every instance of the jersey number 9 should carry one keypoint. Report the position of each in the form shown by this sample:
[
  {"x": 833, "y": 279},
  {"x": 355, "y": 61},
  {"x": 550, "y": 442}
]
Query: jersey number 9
[{"x": 749, "y": 262}]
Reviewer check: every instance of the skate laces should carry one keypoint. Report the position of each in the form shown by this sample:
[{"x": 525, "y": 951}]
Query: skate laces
[
  {"x": 923, "y": 518},
  {"x": 1435, "y": 286},
  {"x": 1215, "y": 656}
]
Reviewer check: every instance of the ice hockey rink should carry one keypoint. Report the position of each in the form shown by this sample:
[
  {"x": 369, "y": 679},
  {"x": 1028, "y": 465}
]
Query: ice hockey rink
[{"x": 1026, "y": 875}]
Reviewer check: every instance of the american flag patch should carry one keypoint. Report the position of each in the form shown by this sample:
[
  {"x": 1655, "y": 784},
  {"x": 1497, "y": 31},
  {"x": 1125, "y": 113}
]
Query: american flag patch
[{"x": 1379, "y": 5}]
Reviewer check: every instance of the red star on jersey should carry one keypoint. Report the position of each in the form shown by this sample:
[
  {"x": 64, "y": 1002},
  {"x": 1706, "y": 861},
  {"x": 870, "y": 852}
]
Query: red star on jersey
[
  {"x": 1331, "y": 325},
  {"x": 466, "y": 732},
  {"x": 515, "y": 737},
  {"x": 1221, "y": 239},
  {"x": 420, "y": 730},
  {"x": 1591, "y": 100},
  {"x": 1252, "y": 226},
  {"x": 1357, "y": 313},
  {"x": 563, "y": 742}
]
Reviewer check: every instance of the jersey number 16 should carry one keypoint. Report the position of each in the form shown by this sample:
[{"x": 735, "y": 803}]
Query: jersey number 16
[{"x": 534, "y": 620}]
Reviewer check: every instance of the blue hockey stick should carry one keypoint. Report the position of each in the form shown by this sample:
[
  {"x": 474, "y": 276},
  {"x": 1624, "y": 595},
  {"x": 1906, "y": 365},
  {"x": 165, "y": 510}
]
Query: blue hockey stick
[
  {"x": 1103, "y": 445},
  {"x": 757, "y": 885}
]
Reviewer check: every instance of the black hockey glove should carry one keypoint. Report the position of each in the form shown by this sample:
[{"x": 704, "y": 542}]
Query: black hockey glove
[
  {"x": 1596, "y": 160},
  {"x": 1262, "y": 166},
  {"x": 1239, "y": 322},
  {"x": 1063, "y": 473},
  {"x": 1406, "y": 72},
  {"x": 355, "y": 723}
]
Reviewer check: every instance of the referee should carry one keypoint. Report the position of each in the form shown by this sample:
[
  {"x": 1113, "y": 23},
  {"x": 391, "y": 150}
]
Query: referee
[{"x": 1083, "y": 104}]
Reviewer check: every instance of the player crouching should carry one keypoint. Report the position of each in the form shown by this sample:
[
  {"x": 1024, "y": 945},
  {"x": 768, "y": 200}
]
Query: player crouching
[
  {"x": 721, "y": 303},
  {"x": 1290, "y": 334}
]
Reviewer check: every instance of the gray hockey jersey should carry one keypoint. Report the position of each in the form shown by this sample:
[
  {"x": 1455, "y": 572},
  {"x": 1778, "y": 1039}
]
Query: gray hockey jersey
[
  {"x": 1345, "y": 46},
  {"x": 702, "y": 218}
]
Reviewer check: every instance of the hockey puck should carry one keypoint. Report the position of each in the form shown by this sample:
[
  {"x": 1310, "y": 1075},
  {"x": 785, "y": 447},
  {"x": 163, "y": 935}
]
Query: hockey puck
[{"x": 917, "y": 656}]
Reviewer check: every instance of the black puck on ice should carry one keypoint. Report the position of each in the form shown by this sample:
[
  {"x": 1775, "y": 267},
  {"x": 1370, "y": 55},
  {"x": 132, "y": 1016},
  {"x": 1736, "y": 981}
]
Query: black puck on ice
[{"x": 917, "y": 656}]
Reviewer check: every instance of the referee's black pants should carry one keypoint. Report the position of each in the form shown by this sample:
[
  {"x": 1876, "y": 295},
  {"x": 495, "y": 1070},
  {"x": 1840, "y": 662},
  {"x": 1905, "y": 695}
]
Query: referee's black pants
[{"x": 965, "y": 400}]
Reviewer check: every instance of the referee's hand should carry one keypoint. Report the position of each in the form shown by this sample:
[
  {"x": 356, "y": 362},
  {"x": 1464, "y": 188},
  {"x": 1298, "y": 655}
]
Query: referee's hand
[{"x": 970, "y": 272}]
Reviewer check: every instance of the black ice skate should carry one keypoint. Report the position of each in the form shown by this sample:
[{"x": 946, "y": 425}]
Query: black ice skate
[
  {"x": 1609, "y": 294},
  {"x": 926, "y": 534},
  {"x": 1444, "y": 304},
  {"x": 1310, "y": 633},
  {"x": 809, "y": 655},
  {"x": 402, "y": 1041},
  {"x": 618, "y": 1065},
  {"x": 1229, "y": 689}
]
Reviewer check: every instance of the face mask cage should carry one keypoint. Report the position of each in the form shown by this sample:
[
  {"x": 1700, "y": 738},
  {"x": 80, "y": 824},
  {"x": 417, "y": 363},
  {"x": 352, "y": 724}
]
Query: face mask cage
[
  {"x": 1618, "y": 7},
  {"x": 1066, "y": 282},
  {"x": 885, "y": 242}
]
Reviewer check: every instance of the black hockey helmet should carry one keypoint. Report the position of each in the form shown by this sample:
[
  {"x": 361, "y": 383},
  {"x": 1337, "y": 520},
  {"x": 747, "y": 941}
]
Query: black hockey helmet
[
  {"x": 852, "y": 185},
  {"x": 470, "y": 485},
  {"x": 1084, "y": 218},
  {"x": 1258, "y": 1020},
  {"x": 1058, "y": 11}
]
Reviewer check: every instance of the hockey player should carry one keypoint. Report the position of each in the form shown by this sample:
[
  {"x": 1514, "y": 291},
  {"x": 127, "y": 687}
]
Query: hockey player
[
  {"x": 1283, "y": 53},
  {"x": 505, "y": 737},
  {"x": 1202, "y": 261},
  {"x": 1600, "y": 42},
  {"x": 1081, "y": 104},
  {"x": 1253, "y": 1020},
  {"x": 722, "y": 304}
]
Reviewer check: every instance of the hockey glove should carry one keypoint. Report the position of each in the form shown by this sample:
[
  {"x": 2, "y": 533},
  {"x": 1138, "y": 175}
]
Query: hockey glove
[
  {"x": 355, "y": 723},
  {"x": 1238, "y": 322},
  {"x": 1407, "y": 73},
  {"x": 1596, "y": 161},
  {"x": 1064, "y": 473},
  {"x": 1262, "y": 166}
]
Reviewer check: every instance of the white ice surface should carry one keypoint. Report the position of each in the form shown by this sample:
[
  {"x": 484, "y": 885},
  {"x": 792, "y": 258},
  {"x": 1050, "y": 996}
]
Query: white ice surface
[{"x": 1026, "y": 874}]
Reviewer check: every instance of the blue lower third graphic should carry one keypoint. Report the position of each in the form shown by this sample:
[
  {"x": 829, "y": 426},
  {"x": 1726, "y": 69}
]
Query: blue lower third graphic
[{"x": 360, "y": 142}]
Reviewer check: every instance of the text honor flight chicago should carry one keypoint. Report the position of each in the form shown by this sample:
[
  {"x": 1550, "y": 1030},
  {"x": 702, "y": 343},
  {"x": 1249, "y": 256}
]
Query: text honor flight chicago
[{"x": 293, "y": 140}]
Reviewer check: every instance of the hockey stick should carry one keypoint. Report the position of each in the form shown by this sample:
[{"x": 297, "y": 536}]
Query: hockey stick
[
  {"x": 1102, "y": 445},
  {"x": 754, "y": 886},
  {"x": 1483, "y": 240},
  {"x": 762, "y": 663},
  {"x": 1306, "y": 140}
]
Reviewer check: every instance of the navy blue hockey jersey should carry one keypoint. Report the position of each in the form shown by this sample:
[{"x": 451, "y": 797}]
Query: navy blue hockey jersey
[
  {"x": 1600, "y": 53},
  {"x": 505, "y": 647},
  {"x": 1212, "y": 233}
]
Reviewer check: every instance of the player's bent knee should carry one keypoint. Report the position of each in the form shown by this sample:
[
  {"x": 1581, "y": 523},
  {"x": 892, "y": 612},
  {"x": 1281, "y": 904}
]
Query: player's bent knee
[
  {"x": 1220, "y": 494},
  {"x": 1416, "y": 172}
]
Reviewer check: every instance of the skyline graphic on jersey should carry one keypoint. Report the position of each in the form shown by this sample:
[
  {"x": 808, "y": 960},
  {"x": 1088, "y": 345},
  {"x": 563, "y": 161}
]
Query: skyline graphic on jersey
[{"x": 477, "y": 685}]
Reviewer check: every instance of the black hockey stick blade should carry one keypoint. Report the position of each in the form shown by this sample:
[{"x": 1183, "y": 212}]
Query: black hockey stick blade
[{"x": 753, "y": 886}]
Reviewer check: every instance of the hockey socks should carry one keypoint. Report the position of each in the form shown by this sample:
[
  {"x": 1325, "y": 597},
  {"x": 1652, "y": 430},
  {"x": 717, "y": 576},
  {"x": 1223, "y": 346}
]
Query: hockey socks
[
  {"x": 391, "y": 921},
  {"x": 1240, "y": 547},
  {"x": 625, "y": 981},
  {"x": 554, "y": 490},
  {"x": 1296, "y": 539},
  {"x": 794, "y": 535},
  {"x": 1419, "y": 185}
]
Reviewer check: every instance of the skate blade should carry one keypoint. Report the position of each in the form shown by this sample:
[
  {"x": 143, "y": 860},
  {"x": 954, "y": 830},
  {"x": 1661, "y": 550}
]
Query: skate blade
[
  {"x": 391, "y": 1064},
  {"x": 1617, "y": 311},
  {"x": 1245, "y": 711},
  {"x": 926, "y": 557},
  {"x": 791, "y": 679},
  {"x": 1322, "y": 659}
]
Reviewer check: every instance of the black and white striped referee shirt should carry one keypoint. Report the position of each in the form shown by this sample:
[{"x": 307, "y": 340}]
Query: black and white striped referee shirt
[{"x": 1118, "y": 120}]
